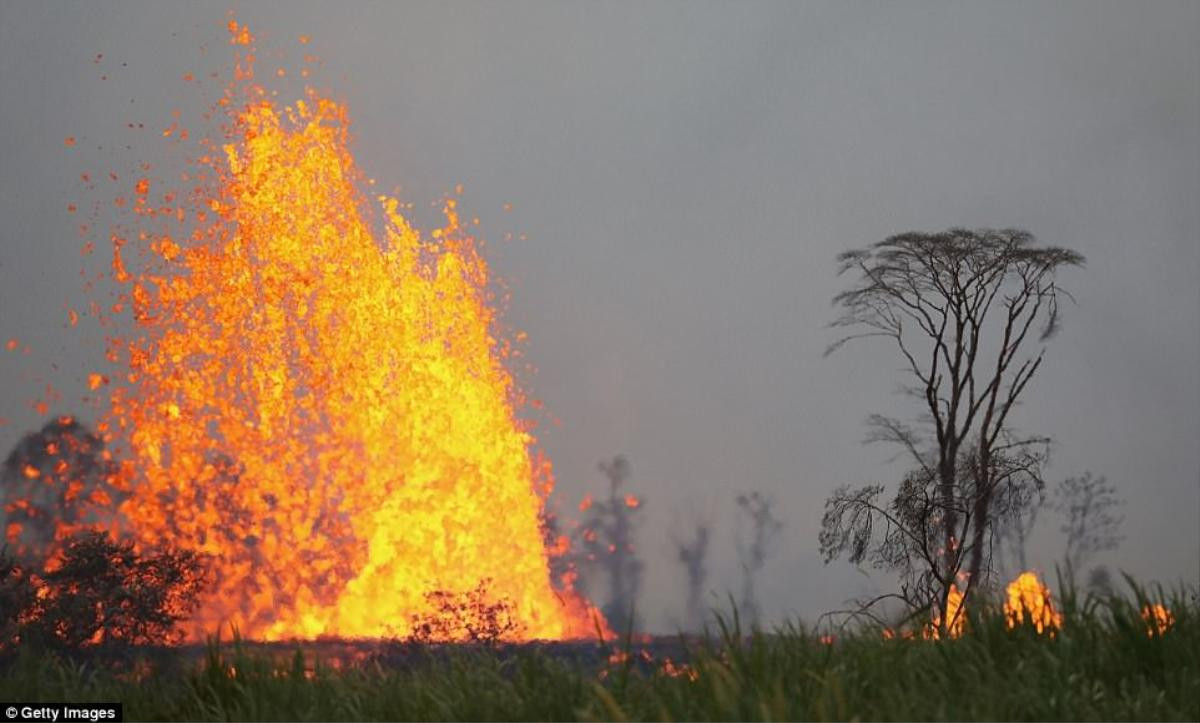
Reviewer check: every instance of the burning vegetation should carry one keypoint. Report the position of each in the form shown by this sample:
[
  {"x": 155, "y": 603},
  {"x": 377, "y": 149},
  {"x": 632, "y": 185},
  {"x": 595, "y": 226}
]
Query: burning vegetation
[
  {"x": 1158, "y": 618},
  {"x": 1028, "y": 603},
  {"x": 955, "y": 620},
  {"x": 95, "y": 592}
]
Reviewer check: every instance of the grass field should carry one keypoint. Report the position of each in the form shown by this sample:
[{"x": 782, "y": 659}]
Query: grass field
[{"x": 1104, "y": 664}]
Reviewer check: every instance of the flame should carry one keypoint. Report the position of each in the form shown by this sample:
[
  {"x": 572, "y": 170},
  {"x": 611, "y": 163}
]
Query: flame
[
  {"x": 1159, "y": 619},
  {"x": 956, "y": 617},
  {"x": 1029, "y": 598},
  {"x": 317, "y": 398},
  {"x": 679, "y": 670}
]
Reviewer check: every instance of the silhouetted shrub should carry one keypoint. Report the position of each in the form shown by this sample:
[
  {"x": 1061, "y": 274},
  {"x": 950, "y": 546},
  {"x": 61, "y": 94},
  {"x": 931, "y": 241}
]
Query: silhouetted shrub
[
  {"x": 473, "y": 616},
  {"x": 97, "y": 591}
]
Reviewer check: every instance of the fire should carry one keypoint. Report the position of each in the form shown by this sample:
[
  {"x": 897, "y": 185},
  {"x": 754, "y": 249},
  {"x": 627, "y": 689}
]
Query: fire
[
  {"x": 1029, "y": 598},
  {"x": 956, "y": 617},
  {"x": 679, "y": 670},
  {"x": 1159, "y": 619},
  {"x": 315, "y": 395}
]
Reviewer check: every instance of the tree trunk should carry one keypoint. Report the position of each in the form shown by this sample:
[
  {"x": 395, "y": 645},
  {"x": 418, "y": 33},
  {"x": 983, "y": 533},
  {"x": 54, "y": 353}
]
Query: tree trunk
[
  {"x": 979, "y": 536},
  {"x": 946, "y": 475},
  {"x": 980, "y": 517}
]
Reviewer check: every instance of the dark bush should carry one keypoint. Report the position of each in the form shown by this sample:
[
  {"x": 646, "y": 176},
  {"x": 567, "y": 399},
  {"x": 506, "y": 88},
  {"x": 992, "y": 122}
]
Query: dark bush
[
  {"x": 103, "y": 592},
  {"x": 473, "y": 616}
]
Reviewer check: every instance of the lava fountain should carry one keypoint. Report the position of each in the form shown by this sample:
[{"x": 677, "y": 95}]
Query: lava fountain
[{"x": 314, "y": 395}]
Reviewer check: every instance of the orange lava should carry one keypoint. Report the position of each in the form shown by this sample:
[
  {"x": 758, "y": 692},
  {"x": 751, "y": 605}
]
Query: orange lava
[{"x": 314, "y": 395}]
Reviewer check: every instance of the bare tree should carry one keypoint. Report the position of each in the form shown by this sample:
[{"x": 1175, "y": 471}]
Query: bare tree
[
  {"x": 764, "y": 528},
  {"x": 904, "y": 534},
  {"x": 1088, "y": 506},
  {"x": 607, "y": 542},
  {"x": 693, "y": 555},
  {"x": 969, "y": 312}
]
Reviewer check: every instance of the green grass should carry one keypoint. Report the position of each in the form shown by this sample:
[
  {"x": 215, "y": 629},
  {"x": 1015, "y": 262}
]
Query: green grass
[{"x": 1101, "y": 666}]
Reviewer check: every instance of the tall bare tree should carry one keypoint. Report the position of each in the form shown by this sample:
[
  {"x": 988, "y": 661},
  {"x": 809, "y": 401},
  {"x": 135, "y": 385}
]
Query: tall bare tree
[
  {"x": 764, "y": 528},
  {"x": 969, "y": 313},
  {"x": 693, "y": 555},
  {"x": 607, "y": 542}
]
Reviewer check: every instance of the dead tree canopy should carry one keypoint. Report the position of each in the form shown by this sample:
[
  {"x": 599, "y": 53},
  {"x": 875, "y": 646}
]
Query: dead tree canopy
[{"x": 968, "y": 313}]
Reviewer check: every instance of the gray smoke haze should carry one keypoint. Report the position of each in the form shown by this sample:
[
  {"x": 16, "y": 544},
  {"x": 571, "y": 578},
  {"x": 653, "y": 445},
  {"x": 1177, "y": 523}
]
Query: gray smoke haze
[{"x": 685, "y": 173}]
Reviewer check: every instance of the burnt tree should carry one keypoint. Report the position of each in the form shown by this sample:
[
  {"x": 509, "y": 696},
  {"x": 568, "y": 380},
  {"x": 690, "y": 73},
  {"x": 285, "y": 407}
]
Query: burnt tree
[
  {"x": 607, "y": 542},
  {"x": 753, "y": 553},
  {"x": 693, "y": 555},
  {"x": 969, "y": 313}
]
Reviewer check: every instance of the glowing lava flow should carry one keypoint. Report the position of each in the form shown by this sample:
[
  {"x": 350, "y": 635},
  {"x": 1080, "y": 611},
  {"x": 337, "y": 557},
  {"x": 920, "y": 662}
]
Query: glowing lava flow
[{"x": 322, "y": 407}]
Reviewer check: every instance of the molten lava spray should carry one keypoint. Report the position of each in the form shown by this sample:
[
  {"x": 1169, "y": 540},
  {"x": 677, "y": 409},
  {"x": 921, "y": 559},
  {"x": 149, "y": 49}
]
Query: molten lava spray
[{"x": 315, "y": 397}]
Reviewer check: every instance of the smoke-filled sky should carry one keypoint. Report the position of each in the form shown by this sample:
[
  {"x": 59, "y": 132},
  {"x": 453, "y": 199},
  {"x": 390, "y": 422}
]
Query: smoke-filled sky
[{"x": 684, "y": 174}]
